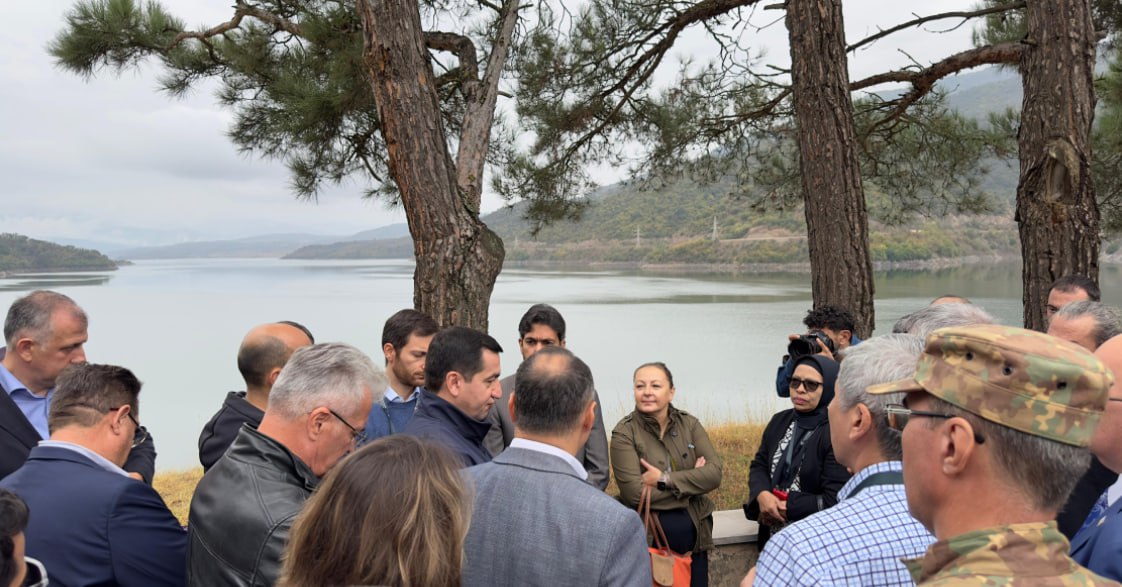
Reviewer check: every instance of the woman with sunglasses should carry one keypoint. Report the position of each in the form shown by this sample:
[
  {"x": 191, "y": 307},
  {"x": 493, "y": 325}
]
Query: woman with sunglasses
[{"x": 794, "y": 473}]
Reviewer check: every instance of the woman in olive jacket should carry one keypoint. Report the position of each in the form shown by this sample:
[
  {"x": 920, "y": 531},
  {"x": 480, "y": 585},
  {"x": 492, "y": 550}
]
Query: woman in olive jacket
[{"x": 667, "y": 449}]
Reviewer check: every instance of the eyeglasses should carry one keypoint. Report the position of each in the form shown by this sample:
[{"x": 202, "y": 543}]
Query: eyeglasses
[
  {"x": 140, "y": 434},
  {"x": 808, "y": 385},
  {"x": 358, "y": 435},
  {"x": 898, "y": 416}
]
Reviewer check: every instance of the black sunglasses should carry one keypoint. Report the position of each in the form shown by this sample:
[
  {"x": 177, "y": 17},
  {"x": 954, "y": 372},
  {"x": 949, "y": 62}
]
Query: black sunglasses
[
  {"x": 810, "y": 386},
  {"x": 898, "y": 416}
]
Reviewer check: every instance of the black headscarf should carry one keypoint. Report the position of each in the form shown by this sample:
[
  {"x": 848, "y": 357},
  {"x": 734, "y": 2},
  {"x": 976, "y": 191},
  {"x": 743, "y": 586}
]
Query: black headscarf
[
  {"x": 828, "y": 368},
  {"x": 806, "y": 422}
]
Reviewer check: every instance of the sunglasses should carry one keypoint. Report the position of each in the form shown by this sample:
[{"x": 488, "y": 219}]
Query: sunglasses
[
  {"x": 810, "y": 386},
  {"x": 898, "y": 416}
]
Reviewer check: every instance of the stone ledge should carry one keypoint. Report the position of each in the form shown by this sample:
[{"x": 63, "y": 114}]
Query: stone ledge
[{"x": 730, "y": 527}]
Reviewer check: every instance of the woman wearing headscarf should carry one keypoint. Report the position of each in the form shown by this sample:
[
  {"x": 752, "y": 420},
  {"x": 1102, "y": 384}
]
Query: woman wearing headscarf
[{"x": 794, "y": 473}]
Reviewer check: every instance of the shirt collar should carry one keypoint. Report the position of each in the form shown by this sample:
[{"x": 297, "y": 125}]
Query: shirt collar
[
  {"x": 858, "y": 477},
  {"x": 549, "y": 449},
  {"x": 98, "y": 460},
  {"x": 392, "y": 397},
  {"x": 9, "y": 382}
]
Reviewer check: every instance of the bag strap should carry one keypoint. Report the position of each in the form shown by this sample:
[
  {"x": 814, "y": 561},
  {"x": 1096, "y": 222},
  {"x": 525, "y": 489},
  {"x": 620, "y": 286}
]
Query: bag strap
[{"x": 650, "y": 521}]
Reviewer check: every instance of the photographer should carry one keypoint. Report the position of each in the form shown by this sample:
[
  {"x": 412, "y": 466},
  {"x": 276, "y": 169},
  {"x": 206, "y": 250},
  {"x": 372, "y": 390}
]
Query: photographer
[{"x": 829, "y": 330}]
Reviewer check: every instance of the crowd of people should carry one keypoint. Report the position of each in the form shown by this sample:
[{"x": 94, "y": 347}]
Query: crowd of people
[{"x": 437, "y": 471}]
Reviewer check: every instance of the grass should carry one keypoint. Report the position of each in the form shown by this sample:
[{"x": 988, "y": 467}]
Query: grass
[{"x": 736, "y": 443}]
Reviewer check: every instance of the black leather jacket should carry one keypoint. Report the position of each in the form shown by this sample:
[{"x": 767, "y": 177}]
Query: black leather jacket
[{"x": 242, "y": 512}]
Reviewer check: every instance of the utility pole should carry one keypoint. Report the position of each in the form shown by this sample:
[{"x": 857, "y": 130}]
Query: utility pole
[
  {"x": 638, "y": 238},
  {"x": 714, "y": 228}
]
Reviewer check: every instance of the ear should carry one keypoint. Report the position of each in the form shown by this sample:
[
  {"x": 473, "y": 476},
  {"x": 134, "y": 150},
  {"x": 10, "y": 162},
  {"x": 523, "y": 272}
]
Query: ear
[
  {"x": 589, "y": 418},
  {"x": 117, "y": 420},
  {"x": 860, "y": 422},
  {"x": 23, "y": 348},
  {"x": 957, "y": 444},
  {"x": 511, "y": 407},
  {"x": 316, "y": 422},
  {"x": 562, "y": 343},
  {"x": 388, "y": 352},
  {"x": 453, "y": 383},
  {"x": 846, "y": 335},
  {"x": 271, "y": 378}
]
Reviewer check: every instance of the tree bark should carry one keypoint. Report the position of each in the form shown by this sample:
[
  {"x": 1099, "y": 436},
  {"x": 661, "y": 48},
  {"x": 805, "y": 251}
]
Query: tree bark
[
  {"x": 1057, "y": 216},
  {"x": 836, "y": 221},
  {"x": 458, "y": 257}
]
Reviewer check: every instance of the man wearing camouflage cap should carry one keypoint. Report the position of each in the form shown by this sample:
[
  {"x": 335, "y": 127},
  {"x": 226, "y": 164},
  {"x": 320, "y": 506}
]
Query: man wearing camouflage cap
[{"x": 1003, "y": 419}]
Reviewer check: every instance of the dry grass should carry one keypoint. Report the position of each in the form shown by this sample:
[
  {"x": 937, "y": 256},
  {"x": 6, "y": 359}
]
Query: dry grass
[
  {"x": 736, "y": 443},
  {"x": 177, "y": 487}
]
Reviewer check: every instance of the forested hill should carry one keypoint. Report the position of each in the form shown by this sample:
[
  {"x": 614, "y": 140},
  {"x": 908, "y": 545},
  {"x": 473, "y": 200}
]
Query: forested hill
[{"x": 19, "y": 253}]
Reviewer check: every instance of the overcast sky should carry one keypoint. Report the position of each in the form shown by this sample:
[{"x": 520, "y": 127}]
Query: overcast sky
[{"x": 114, "y": 160}]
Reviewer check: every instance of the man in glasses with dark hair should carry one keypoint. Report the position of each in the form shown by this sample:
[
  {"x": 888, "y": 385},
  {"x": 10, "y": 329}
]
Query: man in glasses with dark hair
[
  {"x": 92, "y": 524},
  {"x": 995, "y": 426}
]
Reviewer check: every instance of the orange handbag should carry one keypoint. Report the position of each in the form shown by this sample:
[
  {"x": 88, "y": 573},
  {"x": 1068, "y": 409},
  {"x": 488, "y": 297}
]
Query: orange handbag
[{"x": 668, "y": 568}]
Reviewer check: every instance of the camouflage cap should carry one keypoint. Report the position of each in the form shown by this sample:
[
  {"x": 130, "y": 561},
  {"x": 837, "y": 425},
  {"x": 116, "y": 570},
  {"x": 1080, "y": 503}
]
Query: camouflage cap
[{"x": 1026, "y": 380}]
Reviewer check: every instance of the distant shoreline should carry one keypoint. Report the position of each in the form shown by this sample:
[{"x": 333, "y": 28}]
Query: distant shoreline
[{"x": 759, "y": 268}]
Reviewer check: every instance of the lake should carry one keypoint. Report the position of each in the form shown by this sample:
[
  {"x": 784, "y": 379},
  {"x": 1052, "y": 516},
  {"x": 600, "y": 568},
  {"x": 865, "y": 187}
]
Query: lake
[{"x": 178, "y": 323}]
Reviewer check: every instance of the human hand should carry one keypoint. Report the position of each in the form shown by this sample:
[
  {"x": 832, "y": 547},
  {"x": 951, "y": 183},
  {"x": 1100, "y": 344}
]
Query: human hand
[
  {"x": 772, "y": 510},
  {"x": 651, "y": 474},
  {"x": 700, "y": 463},
  {"x": 137, "y": 476}
]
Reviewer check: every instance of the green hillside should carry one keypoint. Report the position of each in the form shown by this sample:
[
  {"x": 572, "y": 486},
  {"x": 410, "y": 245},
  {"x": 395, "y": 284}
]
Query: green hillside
[{"x": 19, "y": 253}]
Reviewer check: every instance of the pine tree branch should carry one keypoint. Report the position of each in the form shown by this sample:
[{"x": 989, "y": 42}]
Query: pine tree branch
[
  {"x": 460, "y": 46},
  {"x": 964, "y": 15},
  {"x": 241, "y": 11}
]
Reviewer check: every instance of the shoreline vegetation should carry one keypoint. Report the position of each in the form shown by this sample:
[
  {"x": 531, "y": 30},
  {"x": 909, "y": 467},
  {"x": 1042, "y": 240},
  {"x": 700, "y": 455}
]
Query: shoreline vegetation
[
  {"x": 735, "y": 442},
  {"x": 20, "y": 254}
]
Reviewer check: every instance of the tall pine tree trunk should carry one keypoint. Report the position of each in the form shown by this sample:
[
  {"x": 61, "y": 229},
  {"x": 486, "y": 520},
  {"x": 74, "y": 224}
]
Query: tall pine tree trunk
[
  {"x": 458, "y": 257},
  {"x": 1056, "y": 211},
  {"x": 836, "y": 221}
]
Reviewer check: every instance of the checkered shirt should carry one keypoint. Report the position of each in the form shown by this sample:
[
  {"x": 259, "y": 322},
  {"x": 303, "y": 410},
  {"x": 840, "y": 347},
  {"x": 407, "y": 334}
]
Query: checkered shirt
[{"x": 859, "y": 541}]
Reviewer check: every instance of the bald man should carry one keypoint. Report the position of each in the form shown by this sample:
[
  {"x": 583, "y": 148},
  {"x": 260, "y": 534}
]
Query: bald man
[{"x": 262, "y": 355}]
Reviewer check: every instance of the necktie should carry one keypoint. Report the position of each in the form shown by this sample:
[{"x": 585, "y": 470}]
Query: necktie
[{"x": 1097, "y": 512}]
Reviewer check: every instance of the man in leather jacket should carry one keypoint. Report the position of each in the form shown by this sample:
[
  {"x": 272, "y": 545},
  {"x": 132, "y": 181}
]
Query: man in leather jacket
[{"x": 245, "y": 505}]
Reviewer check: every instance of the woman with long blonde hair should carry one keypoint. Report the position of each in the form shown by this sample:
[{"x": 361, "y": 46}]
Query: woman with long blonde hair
[{"x": 395, "y": 513}]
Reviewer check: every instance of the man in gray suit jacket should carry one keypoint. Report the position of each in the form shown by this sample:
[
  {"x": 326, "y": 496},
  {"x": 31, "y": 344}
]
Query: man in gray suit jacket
[
  {"x": 535, "y": 520},
  {"x": 543, "y": 326}
]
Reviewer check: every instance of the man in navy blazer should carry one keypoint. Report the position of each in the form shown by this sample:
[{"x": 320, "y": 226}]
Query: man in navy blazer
[
  {"x": 45, "y": 332},
  {"x": 535, "y": 520},
  {"x": 1098, "y": 545},
  {"x": 92, "y": 524}
]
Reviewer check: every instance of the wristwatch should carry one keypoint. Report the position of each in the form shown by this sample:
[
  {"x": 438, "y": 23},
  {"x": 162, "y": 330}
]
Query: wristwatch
[{"x": 664, "y": 482}]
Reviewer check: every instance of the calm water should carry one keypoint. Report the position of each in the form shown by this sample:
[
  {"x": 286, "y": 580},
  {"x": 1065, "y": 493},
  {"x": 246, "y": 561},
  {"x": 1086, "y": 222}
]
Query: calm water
[{"x": 178, "y": 324}]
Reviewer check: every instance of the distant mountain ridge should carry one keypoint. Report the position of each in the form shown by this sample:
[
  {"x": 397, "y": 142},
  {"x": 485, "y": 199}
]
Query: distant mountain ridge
[{"x": 19, "y": 253}]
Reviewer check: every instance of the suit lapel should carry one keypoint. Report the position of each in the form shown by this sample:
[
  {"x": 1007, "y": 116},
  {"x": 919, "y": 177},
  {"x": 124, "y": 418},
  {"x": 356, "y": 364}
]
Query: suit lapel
[{"x": 15, "y": 423}]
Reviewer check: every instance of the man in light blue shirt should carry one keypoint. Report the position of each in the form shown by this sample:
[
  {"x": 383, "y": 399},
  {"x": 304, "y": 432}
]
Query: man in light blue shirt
[
  {"x": 861, "y": 540},
  {"x": 405, "y": 344},
  {"x": 45, "y": 332}
]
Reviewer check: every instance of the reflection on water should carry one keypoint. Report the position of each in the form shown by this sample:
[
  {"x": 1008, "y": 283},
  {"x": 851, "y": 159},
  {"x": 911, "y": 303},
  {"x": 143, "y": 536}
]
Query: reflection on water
[
  {"x": 177, "y": 324},
  {"x": 33, "y": 281}
]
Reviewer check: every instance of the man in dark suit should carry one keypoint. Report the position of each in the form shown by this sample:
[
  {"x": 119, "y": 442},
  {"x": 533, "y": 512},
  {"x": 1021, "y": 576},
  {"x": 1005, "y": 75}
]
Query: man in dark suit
[
  {"x": 45, "y": 332},
  {"x": 261, "y": 356},
  {"x": 543, "y": 326},
  {"x": 535, "y": 519},
  {"x": 91, "y": 524}
]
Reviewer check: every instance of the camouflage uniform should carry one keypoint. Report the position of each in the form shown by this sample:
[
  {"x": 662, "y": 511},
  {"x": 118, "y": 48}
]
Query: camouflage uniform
[
  {"x": 1019, "y": 554},
  {"x": 1030, "y": 382}
]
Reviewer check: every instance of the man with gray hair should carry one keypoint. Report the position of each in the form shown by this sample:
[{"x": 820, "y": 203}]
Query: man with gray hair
[
  {"x": 1086, "y": 323},
  {"x": 45, "y": 332},
  {"x": 245, "y": 504},
  {"x": 861, "y": 540},
  {"x": 931, "y": 318},
  {"x": 535, "y": 520}
]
